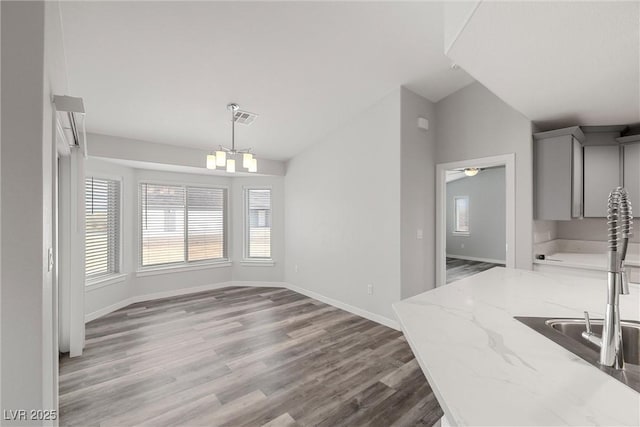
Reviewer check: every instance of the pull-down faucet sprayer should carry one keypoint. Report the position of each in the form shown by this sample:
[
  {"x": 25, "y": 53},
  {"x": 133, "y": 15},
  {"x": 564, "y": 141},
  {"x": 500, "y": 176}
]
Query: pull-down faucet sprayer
[{"x": 620, "y": 223}]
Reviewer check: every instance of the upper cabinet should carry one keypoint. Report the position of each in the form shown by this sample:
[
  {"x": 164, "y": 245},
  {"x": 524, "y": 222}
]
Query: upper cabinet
[
  {"x": 602, "y": 167},
  {"x": 576, "y": 168},
  {"x": 558, "y": 181},
  {"x": 631, "y": 175}
]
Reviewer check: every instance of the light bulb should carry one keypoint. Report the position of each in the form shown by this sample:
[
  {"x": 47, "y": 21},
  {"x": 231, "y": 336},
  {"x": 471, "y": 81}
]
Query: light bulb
[
  {"x": 231, "y": 165},
  {"x": 211, "y": 161},
  {"x": 246, "y": 160},
  {"x": 471, "y": 171},
  {"x": 253, "y": 165},
  {"x": 221, "y": 158}
]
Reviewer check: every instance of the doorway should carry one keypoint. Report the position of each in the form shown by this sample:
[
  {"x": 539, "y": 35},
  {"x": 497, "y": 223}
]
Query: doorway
[{"x": 475, "y": 216}]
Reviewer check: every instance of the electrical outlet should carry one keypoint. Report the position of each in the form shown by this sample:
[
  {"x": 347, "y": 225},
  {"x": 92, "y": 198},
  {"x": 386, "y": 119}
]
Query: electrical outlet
[
  {"x": 419, "y": 234},
  {"x": 370, "y": 289},
  {"x": 295, "y": 268},
  {"x": 462, "y": 245}
]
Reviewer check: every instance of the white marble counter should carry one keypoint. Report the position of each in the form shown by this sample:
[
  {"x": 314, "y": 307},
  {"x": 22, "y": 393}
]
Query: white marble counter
[{"x": 486, "y": 368}]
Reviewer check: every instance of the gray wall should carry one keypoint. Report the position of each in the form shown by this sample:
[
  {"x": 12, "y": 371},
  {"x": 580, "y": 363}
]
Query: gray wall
[
  {"x": 28, "y": 357},
  {"x": 417, "y": 185},
  {"x": 487, "y": 216},
  {"x": 588, "y": 229},
  {"x": 98, "y": 298},
  {"x": 342, "y": 210},
  {"x": 473, "y": 123}
]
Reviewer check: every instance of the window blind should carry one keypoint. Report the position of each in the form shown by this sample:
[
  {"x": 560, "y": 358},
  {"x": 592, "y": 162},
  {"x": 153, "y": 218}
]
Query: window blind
[
  {"x": 258, "y": 228},
  {"x": 102, "y": 227},
  {"x": 181, "y": 224},
  {"x": 206, "y": 223}
]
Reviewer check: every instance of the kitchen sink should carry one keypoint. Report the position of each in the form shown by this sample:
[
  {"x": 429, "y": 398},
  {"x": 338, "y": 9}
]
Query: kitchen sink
[
  {"x": 573, "y": 328},
  {"x": 568, "y": 334}
]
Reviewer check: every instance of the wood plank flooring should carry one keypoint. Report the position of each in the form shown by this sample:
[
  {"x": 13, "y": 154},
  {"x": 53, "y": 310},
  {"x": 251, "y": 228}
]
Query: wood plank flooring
[
  {"x": 243, "y": 356},
  {"x": 460, "y": 268}
]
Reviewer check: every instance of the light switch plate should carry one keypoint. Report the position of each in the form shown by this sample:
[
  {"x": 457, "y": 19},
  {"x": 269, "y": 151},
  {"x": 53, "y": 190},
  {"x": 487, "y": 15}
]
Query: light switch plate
[{"x": 50, "y": 259}]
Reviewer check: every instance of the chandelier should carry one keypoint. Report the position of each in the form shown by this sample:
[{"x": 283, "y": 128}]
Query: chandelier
[{"x": 226, "y": 156}]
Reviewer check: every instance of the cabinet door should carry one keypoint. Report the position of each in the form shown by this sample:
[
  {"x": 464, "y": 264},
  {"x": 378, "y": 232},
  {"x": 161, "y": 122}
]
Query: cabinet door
[
  {"x": 577, "y": 178},
  {"x": 553, "y": 158},
  {"x": 632, "y": 175},
  {"x": 601, "y": 175}
]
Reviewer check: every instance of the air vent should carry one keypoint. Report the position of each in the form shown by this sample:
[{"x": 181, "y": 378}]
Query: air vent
[{"x": 244, "y": 117}]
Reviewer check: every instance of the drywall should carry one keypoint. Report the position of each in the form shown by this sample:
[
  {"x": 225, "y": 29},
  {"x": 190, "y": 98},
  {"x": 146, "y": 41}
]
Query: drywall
[
  {"x": 168, "y": 157},
  {"x": 134, "y": 285},
  {"x": 417, "y": 187},
  {"x": 587, "y": 229},
  {"x": 487, "y": 216},
  {"x": 342, "y": 210},
  {"x": 544, "y": 230},
  {"x": 28, "y": 357},
  {"x": 474, "y": 123}
]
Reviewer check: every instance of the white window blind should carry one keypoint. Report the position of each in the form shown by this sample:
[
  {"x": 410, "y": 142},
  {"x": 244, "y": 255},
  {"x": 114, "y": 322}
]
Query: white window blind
[
  {"x": 181, "y": 224},
  {"x": 258, "y": 220},
  {"x": 206, "y": 223},
  {"x": 102, "y": 227}
]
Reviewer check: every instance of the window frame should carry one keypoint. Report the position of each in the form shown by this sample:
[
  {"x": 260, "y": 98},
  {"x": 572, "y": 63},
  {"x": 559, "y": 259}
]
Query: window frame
[
  {"x": 109, "y": 278},
  {"x": 186, "y": 265},
  {"x": 455, "y": 217},
  {"x": 245, "y": 233}
]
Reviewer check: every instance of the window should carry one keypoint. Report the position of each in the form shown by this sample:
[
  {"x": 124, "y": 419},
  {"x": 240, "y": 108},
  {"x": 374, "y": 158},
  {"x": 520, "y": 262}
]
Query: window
[
  {"x": 102, "y": 227},
  {"x": 181, "y": 224},
  {"x": 258, "y": 223},
  {"x": 461, "y": 215}
]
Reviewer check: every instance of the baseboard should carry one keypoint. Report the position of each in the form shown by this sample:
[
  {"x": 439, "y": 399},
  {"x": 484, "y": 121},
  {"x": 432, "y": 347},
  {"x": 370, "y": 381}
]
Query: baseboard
[
  {"x": 154, "y": 296},
  {"x": 108, "y": 309},
  {"x": 186, "y": 291},
  {"x": 473, "y": 258},
  {"x": 383, "y": 320}
]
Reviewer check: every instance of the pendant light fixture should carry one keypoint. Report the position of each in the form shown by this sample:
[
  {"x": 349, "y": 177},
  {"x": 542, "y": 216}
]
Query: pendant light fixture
[{"x": 226, "y": 157}]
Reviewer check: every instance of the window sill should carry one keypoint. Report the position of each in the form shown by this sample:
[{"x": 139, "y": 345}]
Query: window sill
[
  {"x": 182, "y": 268},
  {"x": 100, "y": 282},
  {"x": 461, "y": 233},
  {"x": 257, "y": 263}
]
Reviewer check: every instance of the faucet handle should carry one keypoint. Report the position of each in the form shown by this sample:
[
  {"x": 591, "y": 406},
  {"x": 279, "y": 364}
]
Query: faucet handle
[
  {"x": 624, "y": 282},
  {"x": 587, "y": 322}
]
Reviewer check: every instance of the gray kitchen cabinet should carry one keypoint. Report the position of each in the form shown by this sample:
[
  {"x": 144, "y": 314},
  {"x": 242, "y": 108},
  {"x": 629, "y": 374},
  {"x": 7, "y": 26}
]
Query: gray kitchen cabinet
[
  {"x": 601, "y": 175},
  {"x": 558, "y": 169},
  {"x": 632, "y": 174}
]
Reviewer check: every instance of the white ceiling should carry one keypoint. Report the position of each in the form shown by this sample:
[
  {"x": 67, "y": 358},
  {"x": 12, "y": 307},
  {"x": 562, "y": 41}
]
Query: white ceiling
[
  {"x": 164, "y": 71},
  {"x": 558, "y": 63}
]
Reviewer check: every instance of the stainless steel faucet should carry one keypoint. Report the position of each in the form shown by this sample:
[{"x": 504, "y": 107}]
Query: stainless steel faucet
[{"x": 620, "y": 223}]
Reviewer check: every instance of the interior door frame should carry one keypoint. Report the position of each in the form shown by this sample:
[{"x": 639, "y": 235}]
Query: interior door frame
[{"x": 506, "y": 160}]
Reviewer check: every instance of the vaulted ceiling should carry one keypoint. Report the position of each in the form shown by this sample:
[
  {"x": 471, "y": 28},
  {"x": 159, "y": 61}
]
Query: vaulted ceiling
[{"x": 164, "y": 71}]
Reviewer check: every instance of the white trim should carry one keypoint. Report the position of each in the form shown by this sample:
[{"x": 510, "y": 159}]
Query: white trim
[
  {"x": 347, "y": 307},
  {"x": 100, "y": 282},
  {"x": 256, "y": 262},
  {"x": 473, "y": 258},
  {"x": 506, "y": 160},
  {"x": 151, "y": 271},
  {"x": 185, "y": 291}
]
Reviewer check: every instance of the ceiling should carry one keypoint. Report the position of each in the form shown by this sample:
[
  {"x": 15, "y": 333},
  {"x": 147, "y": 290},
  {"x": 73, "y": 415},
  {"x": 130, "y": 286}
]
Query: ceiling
[
  {"x": 165, "y": 71},
  {"x": 574, "y": 63}
]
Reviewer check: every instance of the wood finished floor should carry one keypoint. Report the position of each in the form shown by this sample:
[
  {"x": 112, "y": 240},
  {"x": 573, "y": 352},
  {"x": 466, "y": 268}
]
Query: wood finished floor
[
  {"x": 243, "y": 356},
  {"x": 460, "y": 268}
]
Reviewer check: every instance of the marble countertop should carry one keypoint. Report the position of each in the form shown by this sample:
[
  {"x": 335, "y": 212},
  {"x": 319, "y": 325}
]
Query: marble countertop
[{"x": 486, "y": 368}]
